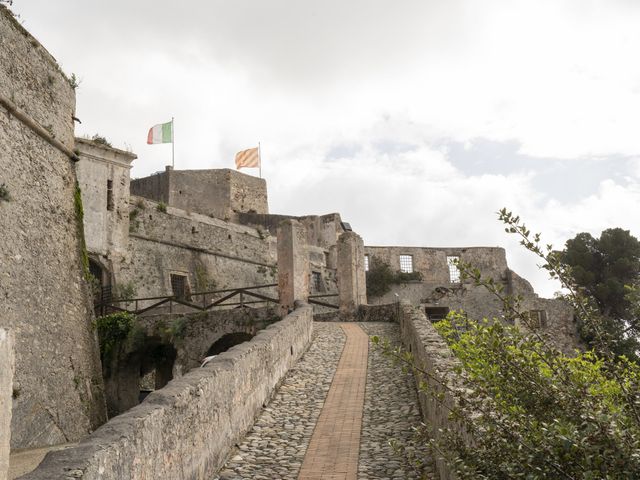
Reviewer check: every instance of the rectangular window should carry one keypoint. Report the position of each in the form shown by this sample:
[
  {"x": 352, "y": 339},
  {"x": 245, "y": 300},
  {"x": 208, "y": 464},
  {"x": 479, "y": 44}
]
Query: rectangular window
[
  {"x": 180, "y": 286},
  {"x": 537, "y": 318},
  {"x": 317, "y": 281},
  {"x": 109, "y": 194},
  {"x": 436, "y": 314},
  {"x": 366, "y": 263},
  {"x": 406, "y": 263},
  {"x": 454, "y": 271}
]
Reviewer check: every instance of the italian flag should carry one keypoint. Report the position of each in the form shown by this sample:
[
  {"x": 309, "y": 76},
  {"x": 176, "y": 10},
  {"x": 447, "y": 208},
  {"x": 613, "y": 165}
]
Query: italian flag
[{"x": 161, "y": 133}]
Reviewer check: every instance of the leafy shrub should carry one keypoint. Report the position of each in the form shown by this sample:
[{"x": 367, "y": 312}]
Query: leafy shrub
[
  {"x": 380, "y": 277},
  {"x": 113, "y": 329},
  {"x": 161, "y": 207}
]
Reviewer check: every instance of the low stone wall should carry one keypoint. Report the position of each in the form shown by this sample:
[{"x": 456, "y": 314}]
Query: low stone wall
[
  {"x": 365, "y": 313},
  {"x": 432, "y": 355},
  {"x": 6, "y": 390},
  {"x": 184, "y": 430}
]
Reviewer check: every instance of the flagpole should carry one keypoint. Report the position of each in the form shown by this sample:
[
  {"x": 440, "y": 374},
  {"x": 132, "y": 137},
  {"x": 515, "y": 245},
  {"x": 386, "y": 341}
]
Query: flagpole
[
  {"x": 260, "y": 159},
  {"x": 173, "y": 144}
]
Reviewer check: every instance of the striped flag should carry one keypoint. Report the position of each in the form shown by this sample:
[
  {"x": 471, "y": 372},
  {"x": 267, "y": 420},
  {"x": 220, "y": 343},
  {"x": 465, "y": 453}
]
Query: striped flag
[
  {"x": 248, "y": 158},
  {"x": 161, "y": 133}
]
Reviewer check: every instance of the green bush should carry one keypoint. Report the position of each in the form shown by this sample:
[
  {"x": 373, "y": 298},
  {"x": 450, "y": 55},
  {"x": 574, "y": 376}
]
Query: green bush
[
  {"x": 380, "y": 277},
  {"x": 113, "y": 329},
  {"x": 161, "y": 207}
]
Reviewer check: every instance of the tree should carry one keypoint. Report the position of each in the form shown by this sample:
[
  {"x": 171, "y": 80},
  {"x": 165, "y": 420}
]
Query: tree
[{"x": 606, "y": 268}]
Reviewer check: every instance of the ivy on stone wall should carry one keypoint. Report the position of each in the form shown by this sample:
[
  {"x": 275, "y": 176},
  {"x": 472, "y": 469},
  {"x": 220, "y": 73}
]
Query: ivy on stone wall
[
  {"x": 381, "y": 277},
  {"x": 77, "y": 201}
]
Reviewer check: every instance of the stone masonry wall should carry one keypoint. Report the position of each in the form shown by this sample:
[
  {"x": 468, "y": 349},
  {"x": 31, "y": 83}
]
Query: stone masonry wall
[
  {"x": 185, "y": 429},
  {"x": 7, "y": 366},
  {"x": 436, "y": 289},
  {"x": 217, "y": 192},
  {"x": 44, "y": 298},
  {"x": 432, "y": 354},
  {"x": 106, "y": 224},
  {"x": 213, "y": 254}
]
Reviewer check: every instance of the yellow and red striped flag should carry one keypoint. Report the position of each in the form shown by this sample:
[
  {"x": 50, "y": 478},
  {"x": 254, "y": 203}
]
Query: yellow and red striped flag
[{"x": 248, "y": 158}]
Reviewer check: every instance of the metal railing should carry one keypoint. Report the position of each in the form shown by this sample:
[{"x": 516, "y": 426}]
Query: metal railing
[{"x": 132, "y": 305}]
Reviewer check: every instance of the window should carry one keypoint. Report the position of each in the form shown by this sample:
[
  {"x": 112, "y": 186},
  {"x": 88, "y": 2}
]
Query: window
[
  {"x": 180, "y": 286},
  {"x": 435, "y": 314},
  {"x": 406, "y": 263},
  {"x": 317, "y": 281},
  {"x": 366, "y": 263},
  {"x": 109, "y": 194},
  {"x": 537, "y": 318},
  {"x": 454, "y": 272}
]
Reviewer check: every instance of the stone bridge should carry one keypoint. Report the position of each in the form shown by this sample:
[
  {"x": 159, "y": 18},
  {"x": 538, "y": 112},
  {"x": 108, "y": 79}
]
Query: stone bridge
[{"x": 302, "y": 399}]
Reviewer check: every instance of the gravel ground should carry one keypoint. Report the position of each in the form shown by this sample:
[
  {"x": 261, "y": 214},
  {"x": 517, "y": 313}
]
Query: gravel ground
[
  {"x": 274, "y": 448},
  {"x": 390, "y": 410}
]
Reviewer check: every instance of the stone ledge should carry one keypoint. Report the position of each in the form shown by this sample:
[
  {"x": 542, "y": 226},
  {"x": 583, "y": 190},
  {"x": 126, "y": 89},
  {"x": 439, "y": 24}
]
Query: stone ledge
[{"x": 186, "y": 429}]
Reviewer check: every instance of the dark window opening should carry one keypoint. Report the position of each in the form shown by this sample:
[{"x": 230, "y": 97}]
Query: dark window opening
[
  {"x": 435, "y": 314},
  {"x": 109, "y": 194},
  {"x": 536, "y": 318},
  {"x": 180, "y": 287},
  {"x": 317, "y": 281}
]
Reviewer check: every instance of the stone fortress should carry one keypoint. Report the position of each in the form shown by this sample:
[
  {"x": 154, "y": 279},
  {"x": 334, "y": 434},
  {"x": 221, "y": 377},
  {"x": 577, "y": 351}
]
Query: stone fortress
[{"x": 78, "y": 233}]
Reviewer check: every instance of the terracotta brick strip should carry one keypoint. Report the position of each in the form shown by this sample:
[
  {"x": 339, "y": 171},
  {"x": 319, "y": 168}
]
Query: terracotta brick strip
[{"x": 333, "y": 450}]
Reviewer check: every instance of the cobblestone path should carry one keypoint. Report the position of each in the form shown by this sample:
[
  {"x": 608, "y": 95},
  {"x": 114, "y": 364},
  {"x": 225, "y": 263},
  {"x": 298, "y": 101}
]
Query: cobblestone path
[{"x": 279, "y": 443}]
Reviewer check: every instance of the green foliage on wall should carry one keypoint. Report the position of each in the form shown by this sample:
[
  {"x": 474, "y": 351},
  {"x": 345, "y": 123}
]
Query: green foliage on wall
[
  {"x": 381, "y": 277},
  {"x": 77, "y": 201},
  {"x": 161, "y": 207},
  {"x": 113, "y": 329}
]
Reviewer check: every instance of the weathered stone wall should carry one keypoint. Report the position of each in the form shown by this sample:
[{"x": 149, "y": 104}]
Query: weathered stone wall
[
  {"x": 185, "y": 429},
  {"x": 187, "y": 336},
  {"x": 432, "y": 355},
  {"x": 352, "y": 284},
  {"x": 7, "y": 366},
  {"x": 45, "y": 300},
  {"x": 213, "y": 254},
  {"x": 436, "y": 289},
  {"x": 293, "y": 265},
  {"x": 106, "y": 220},
  {"x": 218, "y": 192}
]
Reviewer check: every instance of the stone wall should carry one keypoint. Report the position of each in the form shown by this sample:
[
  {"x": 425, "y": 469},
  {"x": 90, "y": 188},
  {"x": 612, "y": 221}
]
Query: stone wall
[
  {"x": 186, "y": 429},
  {"x": 45, "y": 299},
  {"x": 218, "y": 192},
  {"x": 7, "y": 366},
  {"x": 432, "y": 355},
  {"x": 103, "y": 176},
  {"x": 212, "y": 253},
  {"x": 436, "y": 290},
  {"x": 172, "y": 345}
]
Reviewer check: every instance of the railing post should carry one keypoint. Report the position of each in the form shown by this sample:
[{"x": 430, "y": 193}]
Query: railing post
[
  {"x": 241, "y": 299},
  {"x": 170, "y": 306}
]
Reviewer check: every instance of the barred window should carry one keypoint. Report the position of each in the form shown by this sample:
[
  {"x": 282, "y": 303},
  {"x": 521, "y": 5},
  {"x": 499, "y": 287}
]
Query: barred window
[
  {"x": 366, "y": 263},
  {"x": 317, "y": 281},
  {"x": 109, "y": 194},
  {"x": 406, "y": 263},
  {"x": 536, "y": 318},
  {"x": 454, "y": 271},
  {"x": 180, "y": 286}
]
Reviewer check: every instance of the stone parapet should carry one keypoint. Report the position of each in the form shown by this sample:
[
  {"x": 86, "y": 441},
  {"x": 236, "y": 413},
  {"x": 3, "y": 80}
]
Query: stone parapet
[
  {"x": 432, "y": 355},
  {"x": 186, "y": 429}
]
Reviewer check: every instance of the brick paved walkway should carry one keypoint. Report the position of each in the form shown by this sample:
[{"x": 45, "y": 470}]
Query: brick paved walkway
[{"x": 333, "y": 450}]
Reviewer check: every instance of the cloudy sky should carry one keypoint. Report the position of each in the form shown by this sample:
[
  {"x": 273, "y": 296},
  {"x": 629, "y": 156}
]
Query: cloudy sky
[{"x": 415, "y": 119}]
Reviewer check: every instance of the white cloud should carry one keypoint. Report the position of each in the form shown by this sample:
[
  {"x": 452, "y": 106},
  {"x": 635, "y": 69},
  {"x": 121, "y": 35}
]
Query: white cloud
[{"x": 354, "y": 103}]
